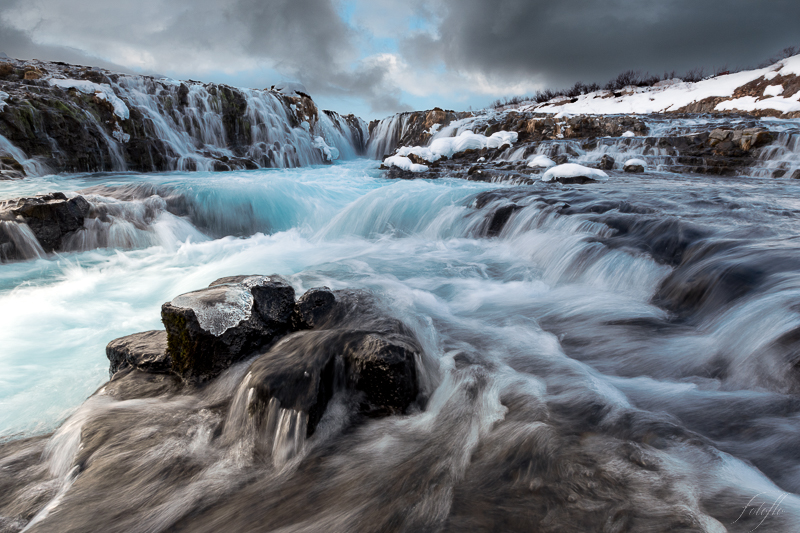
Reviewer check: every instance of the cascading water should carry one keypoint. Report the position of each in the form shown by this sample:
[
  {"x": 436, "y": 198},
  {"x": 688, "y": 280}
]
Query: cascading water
[
  {"x": 613, "y": 356},
  {"x": 119, "y": 122}
]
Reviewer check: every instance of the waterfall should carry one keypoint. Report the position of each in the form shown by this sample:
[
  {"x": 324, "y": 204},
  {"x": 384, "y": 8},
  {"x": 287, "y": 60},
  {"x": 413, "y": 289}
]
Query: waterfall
[
  {"x": 163, "y": 124},
  {"x": 386, "y": 135}
]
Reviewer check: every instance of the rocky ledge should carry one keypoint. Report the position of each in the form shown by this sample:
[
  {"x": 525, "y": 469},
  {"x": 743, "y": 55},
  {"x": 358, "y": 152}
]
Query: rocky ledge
[
  {"x": 721, "y": 151},
  {"x": 301, "y": 351}
]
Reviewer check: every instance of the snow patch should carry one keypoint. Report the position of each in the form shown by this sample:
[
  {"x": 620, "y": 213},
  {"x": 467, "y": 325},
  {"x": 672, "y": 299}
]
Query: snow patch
[
  {"x": 773, "y": 90},
  {"x": 434, "y": 129},
  {"x": 447, "y": 146},
  {"x": 404, "y": 163},
  {"x": 635, "y": 162},
  {"x": 3, "y": 98},
  {"x": 751, "y": 103},
  {"x": 100, "y": 90},
  {"x": 291, "y": 88},
  {"x": 573, "y": 170},
  {"x": 541, "y": 161},
  {"x": 629, "y": 134}
]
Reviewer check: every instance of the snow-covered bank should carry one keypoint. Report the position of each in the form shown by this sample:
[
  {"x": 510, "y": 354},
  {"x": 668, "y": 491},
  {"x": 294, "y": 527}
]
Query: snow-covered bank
[{"x": 774, "y": 90}]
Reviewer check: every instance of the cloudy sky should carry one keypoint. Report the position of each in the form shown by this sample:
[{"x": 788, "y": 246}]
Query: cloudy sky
[{"x": 377, "y": 57}]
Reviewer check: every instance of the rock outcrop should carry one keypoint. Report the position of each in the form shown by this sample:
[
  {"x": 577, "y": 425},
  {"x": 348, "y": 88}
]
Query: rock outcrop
[
  {"x": 146, "y": 351},
  {"x": 210, "y": 329},
  {"x": 302, "y": 352},
  {"x": 50, "y": 217}
]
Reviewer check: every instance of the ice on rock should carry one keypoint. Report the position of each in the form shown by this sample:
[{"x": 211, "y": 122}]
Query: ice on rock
[
  {"x": 100, "y": 90},
  {"x": 218, "y": 308},
  {"x": 541, "y": 161},
  {"x": 573, "y": 170},
  {"x": 329, "y": 152},
  {"x": 629, "y": 134}
]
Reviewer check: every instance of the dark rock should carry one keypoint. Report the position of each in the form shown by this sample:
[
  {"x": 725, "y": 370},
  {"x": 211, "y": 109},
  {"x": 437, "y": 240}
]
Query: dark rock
[
  {"x": 633, "y": 169},
  {"x": 606, "y": 163},
  {"x": 51, "y": 217},
  {"x": 375, "y": 363},
  {"x": 210, "y": 329},
  {"x": 567, "y": 180},
  {"x": 384, "y": 370},
  {"x": 499, "y": 219},
  {"x": 796, "y": 174},
  {"x": 312, "y": 308},
  {"x": 779, "y": 173},
  {"x": 145, "y": 351},
  {"x": 560, "y": 159},
  {"x": 417, "y": 160}
]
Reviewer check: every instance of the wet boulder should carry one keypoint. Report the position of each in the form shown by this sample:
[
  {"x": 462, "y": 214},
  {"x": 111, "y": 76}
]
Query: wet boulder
[
  {"x": 374, "y": 365},
  {"x": 210, "y": 329},
  {"x": 51, "y": 217},
  {"x": 383, "y": 368},
  {"x": 634, "y": 166},
  {"x": 146, "y": 351},
  {"x": 606, "y": 162},
  {"x": 312, "y": 308}
]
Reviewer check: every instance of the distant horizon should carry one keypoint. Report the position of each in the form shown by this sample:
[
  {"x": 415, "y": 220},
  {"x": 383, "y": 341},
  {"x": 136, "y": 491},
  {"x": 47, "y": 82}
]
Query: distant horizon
[{"x": 374, "y": 59}]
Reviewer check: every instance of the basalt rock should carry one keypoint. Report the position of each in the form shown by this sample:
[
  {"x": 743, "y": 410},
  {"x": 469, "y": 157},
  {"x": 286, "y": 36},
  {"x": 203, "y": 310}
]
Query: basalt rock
[{"x": 51, "y": 217}]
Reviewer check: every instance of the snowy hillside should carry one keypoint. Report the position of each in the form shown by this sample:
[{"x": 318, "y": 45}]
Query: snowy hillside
[{"x": 773, "y": 91}]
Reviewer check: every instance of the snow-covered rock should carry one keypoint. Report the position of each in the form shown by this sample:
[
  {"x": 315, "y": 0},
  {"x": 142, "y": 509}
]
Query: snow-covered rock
[
  {"x": 541, "y": 161},
  {"x": 629, "y": 134},
  {"x": 574, "y": 173},
  {"x": 634, "y": 165},
  {"x": 447, "y": 146},
  {"x": 100, "y": 90},
  {"x": 404, "y": 163}
]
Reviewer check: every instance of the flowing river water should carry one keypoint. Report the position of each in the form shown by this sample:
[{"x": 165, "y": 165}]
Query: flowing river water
[{"x": 617, "y": 356}]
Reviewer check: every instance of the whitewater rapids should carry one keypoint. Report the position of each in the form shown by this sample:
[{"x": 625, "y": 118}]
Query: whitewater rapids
[{"x": 618, "y": 356}]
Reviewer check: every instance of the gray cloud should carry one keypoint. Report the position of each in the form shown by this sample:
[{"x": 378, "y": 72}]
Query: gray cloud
[
  {"x": 304, "y": 40},
  {"x": 460, "y": 43},
  {"x": 559, "y": 43}
]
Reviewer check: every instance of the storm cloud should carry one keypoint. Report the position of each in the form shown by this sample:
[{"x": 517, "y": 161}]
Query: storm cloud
[
  {"x": 559, "y": 43},
  {"x": 393, "y": 54}
]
